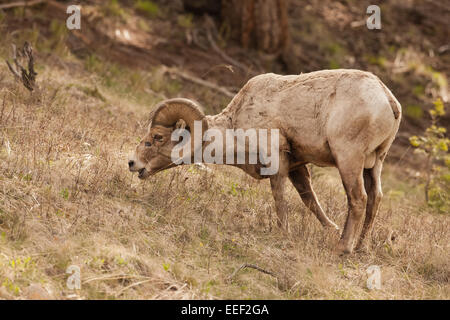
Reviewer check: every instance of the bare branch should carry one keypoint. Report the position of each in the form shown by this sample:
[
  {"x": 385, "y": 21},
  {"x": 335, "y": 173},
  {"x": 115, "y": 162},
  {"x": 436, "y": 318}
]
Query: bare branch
[
  {"x": 252, "y": 266},
  {"x": 27, "y": 77},
  {"x": 209, "y": 24},
  {"x": 21, "y": 4},
  {"x": 201, "y": 82},
  {"x": 284, "y": 282},
  {"x": 14, "y": 58}
]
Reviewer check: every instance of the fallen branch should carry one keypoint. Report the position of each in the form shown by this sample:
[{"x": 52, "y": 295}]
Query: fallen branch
[
  {"x": 211, "y": 26},
  {"x": 21, "y": 4},
  {"x": 223, "y": 54},
  {"x": 252, "y": 266},
  {"x": 201, "y": 82},
  {"x": 283, "y": 282}
]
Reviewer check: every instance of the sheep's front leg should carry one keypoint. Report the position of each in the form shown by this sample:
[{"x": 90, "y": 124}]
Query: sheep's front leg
[
  {"x": 278, "y": 184},
  {"x": 301, "y": 179}
]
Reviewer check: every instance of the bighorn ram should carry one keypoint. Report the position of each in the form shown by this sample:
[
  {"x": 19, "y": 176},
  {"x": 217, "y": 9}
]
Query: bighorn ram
[{"x": 342, "y": 118}]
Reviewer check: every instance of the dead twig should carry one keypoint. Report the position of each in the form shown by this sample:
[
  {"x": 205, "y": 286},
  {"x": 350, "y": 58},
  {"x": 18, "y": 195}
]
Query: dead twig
[
  {"x": 252, "y": 266},
  {"x": 27, "y": 77},
  {"x": 21, "y": 4},
  {"x": 284, "y": 282}
]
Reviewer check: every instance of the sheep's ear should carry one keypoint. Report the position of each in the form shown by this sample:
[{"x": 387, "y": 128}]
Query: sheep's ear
[{"x": 181, "y": 124}]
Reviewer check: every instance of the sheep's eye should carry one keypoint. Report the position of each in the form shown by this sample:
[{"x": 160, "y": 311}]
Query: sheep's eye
[
  {"x": 148, "y": 144},
  {"x": 158, "y": 137}
]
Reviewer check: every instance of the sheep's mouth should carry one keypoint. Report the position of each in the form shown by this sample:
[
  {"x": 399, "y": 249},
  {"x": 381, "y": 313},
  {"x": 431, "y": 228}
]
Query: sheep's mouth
[{"x": 143, "y": 173}]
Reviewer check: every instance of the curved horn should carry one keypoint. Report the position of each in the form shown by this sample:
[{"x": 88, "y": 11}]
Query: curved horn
[{"x": 168, "y": 112}]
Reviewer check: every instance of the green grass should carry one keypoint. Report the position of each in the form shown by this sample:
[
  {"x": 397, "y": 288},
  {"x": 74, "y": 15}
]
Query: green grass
[
  {"x": 414, "y": 111},
  {"x": 185, "y": 21},
  {"x": 149, "y": 8},
  {"x": 113, "y": 8}
]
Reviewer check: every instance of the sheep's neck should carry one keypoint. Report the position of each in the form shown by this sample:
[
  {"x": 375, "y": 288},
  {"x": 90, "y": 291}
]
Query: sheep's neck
[{"x": 221, "y": 123}]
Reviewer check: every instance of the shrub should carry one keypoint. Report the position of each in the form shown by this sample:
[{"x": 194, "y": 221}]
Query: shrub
[{"x": 434, "y": 145}]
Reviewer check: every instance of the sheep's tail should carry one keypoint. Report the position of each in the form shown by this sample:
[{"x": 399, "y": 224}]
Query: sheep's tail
[{"x": 395, "y": 105}]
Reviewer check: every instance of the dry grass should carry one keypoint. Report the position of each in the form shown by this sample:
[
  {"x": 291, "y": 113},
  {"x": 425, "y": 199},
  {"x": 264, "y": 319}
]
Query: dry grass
[{"x": 67, "y": 198}]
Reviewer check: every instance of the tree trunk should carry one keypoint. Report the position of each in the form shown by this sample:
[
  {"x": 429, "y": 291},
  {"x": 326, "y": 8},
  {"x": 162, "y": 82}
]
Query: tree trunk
[{"x": 260, "y": 24}]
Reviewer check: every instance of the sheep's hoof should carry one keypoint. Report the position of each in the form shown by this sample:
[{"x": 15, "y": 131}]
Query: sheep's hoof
[{"x": 342, "y": 250}]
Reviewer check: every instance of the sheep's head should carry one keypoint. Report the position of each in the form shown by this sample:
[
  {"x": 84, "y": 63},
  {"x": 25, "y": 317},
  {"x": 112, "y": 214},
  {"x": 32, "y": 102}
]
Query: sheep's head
[{"x": 154, "y": 152}]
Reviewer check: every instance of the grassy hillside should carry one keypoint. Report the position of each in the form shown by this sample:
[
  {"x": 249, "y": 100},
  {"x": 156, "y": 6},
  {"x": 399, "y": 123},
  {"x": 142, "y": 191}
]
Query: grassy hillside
[{"x": 67, "y": 198}]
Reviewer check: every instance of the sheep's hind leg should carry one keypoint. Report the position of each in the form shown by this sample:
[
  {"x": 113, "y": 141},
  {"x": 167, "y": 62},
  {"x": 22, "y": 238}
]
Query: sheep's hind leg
[
  {"x": 301, "y": 179},
  {"x": 351, "y": 171},
  {"x": 372, "y": 183}
]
